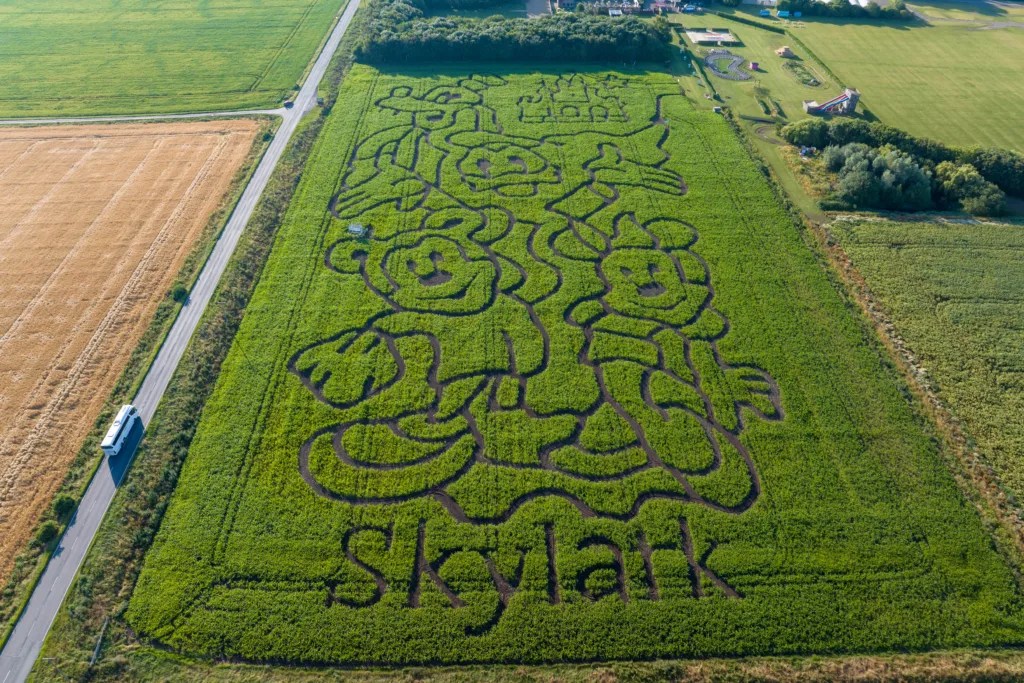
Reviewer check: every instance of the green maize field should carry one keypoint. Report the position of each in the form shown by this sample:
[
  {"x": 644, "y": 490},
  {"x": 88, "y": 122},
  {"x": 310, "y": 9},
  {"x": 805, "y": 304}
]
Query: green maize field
[
  {"x": 539, "y": 369},
  {"x": 96, "y": 57},
  {"x": 955, "y": 293}
]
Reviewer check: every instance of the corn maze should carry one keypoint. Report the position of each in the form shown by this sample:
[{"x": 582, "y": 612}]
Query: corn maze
[{"x": 538, "y": 371}]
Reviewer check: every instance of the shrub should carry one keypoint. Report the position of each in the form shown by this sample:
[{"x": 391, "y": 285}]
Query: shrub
[
  {"x": 844, "y": 131},
  {"x": 1003, "y": 167},
  {"x": 962, "y": 185},
  {"x": 807, "y": 133},
  {"x": 179, "y": 293},
  {"x": 878, "y": 179},
  {"x": 894, "y": 11},
  {"x": 64, "y": 505},
  {"x": 47, "y": 532}
]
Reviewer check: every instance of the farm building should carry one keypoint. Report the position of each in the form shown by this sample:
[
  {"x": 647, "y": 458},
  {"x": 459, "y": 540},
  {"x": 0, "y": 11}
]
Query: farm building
[
  {"x": 784, "y": 51},
  {"x": 704, "y": 36}
]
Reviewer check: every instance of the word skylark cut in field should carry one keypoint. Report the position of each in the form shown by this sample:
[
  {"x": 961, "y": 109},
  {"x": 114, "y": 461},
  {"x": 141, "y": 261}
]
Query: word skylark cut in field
[{"x": 540, "y": 370}]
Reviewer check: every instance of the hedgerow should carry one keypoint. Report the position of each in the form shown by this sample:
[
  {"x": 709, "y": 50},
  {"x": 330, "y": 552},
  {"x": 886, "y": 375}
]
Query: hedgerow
[
  {"x": 399, "y": 31},
  {"x": 574, "y": 390}
]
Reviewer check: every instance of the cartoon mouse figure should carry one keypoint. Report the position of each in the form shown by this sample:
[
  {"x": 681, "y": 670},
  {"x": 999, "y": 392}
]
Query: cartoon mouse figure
[{"x": 565, "y": 348}]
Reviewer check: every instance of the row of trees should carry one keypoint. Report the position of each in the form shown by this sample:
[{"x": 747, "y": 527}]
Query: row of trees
[
  {"x": 399, "y": 32},
  {"x": 972, "y": 178},
  {"x": 896, "y": 10}
]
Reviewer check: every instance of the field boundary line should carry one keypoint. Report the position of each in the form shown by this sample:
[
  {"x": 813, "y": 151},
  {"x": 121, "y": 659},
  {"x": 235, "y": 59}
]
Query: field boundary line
[{"x": 142, "y": 118}]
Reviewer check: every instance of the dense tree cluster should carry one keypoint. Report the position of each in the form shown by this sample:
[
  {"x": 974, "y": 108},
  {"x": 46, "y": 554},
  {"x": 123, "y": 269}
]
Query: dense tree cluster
[
  {"x": 894, "y": 11},
  {"x": 400, "y": 32},
  {"x": 879, "y": 178},
  {"x": 961, "y": 183},
  {"x": 969, "y": 177}
]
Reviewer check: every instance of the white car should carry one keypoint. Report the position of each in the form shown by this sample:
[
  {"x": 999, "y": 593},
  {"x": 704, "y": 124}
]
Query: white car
[{"x": 119, "y": 430}]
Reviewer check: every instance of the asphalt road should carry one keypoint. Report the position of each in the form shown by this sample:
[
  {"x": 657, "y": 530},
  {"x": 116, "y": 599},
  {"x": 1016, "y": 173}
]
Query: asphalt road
[{"x": 19, "y": 655}]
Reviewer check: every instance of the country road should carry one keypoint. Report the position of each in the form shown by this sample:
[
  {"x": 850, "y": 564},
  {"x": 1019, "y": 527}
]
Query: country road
[{"x": 19, "y": 655}]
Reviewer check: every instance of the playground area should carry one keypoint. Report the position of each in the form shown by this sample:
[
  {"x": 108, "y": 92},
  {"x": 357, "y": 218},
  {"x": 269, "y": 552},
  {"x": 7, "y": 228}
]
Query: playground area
[
  {"x": 843, "y": 104},
  {"x": 771, "y": 90},
  {"x": 725, "y": 64}
]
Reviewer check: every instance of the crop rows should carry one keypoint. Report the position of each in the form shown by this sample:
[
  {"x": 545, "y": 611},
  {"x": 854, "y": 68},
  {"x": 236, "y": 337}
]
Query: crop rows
[{"x": 573, "y": 389}]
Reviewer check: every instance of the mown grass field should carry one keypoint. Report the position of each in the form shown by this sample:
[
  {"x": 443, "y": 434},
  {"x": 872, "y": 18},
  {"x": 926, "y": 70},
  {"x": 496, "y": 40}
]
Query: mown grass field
[
  {"x": 954, "y": 81},
  {"x": 581, "y": 392},
  {"x": 956, "y": 296},
  {"x": 95, "y": 57}
]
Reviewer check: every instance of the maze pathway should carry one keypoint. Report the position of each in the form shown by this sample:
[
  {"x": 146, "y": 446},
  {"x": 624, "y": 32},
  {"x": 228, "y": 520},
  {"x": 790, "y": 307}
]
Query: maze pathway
[{"x": 539, "y": 369}]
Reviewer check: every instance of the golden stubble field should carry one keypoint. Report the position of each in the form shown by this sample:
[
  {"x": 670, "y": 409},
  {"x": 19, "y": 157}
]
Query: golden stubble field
[{"x": 95, "y": 222}]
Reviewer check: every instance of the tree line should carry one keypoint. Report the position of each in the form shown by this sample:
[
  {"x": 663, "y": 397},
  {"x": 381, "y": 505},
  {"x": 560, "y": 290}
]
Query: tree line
[
  {"x": 882, "y": 167},
  {"x": 896, "y": 10},
  {"x": 399, "y": 31}
]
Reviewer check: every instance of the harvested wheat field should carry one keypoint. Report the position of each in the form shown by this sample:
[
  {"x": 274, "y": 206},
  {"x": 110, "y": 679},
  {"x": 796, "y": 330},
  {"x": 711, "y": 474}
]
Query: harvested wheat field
[{"x": 95, "y": 222}]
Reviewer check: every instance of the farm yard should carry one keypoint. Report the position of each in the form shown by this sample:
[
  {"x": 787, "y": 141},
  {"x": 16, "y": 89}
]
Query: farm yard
[
  {"x": 952, "y": 80},
  {"x": 97, "y": 221},
  {"x": 96, "y": 57},
  {"x": 539, "y": 369},
  {"x": 955, "y": 294}
]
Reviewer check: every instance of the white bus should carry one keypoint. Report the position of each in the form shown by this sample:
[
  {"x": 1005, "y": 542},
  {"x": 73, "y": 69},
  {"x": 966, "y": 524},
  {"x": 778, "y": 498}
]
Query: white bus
[{"x": 119, "y": 430}]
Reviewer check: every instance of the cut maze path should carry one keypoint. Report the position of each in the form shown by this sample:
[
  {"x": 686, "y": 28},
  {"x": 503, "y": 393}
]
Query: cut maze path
[{"x": 576, "y": 374}]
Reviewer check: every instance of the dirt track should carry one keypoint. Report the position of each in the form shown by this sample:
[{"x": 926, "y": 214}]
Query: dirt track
[{"x": 96, "y": 222}]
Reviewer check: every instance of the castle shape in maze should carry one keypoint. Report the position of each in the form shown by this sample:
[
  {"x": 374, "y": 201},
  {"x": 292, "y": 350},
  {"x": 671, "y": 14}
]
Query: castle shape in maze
[{"x": 524, "y": 325}]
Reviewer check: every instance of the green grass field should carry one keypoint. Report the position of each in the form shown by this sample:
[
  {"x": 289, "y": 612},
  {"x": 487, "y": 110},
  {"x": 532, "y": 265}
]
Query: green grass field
[
  {"x": 580, "y": 392},
  {"x": 93, "y": 57},
  {"x": 956, "y": 296},
  {"x": 948, "y": 80}
]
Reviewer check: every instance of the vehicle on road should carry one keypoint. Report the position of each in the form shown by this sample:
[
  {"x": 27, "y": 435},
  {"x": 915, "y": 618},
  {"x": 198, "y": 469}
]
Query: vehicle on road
[
  {"x": 289, "y": 104},
  {"x": 119, "y": 430}
]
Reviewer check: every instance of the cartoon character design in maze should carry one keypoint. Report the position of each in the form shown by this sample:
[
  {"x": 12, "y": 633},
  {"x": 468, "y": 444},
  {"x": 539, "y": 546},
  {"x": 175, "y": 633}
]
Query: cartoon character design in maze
[{"x": 526, "y": 327}]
